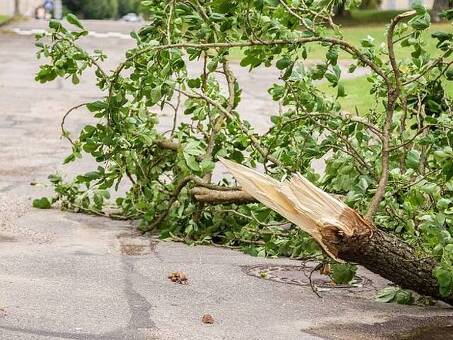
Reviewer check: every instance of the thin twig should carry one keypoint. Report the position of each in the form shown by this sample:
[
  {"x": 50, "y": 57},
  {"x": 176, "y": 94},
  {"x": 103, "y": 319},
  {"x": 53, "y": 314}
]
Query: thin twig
[{"x": 65, "y": 134}]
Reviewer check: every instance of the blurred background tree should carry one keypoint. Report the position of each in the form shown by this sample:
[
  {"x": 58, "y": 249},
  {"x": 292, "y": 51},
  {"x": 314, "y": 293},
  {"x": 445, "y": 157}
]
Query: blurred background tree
[
  {"x": 370, "y": 4},
  {"x": 438, "y": 7},
  {"x": 128, "y": 6},
  {"x": 101, "y": 9}
]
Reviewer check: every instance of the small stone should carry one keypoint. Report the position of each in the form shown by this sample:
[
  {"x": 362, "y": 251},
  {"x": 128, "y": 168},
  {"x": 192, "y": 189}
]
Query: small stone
[{"x": 207, "y": 318}]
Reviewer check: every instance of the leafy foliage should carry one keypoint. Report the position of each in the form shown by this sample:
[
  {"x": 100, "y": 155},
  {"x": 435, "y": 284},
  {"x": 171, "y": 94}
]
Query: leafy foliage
[
  {"x": 392, "y": 162},
  {"x": 395, "y": 294},
  {"x": 342, "y": 273}
]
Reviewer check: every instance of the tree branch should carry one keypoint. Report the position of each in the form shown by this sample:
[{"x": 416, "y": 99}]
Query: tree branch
[
  {"x": 392, "y": 96},
  {"x": 209, "y": 196}
]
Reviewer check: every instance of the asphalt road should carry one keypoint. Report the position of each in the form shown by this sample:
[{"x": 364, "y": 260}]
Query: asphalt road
[{"x": 71, "y": 276}]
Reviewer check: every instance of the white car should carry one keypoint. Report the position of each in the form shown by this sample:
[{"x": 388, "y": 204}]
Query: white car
[{"x": 131, "y": 17}]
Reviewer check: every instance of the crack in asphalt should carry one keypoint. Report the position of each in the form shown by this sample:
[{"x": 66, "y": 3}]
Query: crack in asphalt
[
  {"x": 139, "y": 306},
  {"x": 61, "y": 335},
  {"x": 115, "y": 335}
]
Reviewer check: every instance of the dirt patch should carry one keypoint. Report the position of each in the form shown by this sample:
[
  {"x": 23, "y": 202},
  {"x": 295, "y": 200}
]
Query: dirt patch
[
  {"x": 132, "y": 249},
  {"x": 133, "y": 244},
  {"x": 428, "y": 333}
]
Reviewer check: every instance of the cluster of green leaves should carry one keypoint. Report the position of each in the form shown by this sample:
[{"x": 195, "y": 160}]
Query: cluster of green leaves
[
  {"x": 395, "y": 294},
  {"x": 158, "y": 166},
  {"x": 342, "y": 273}
]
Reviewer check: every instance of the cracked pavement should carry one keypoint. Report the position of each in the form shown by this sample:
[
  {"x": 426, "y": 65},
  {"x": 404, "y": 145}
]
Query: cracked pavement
[{"x": 72, "y": 276}]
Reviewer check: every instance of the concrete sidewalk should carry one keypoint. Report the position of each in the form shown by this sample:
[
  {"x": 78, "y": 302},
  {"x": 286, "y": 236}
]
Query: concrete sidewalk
[
  {"x": 71, "y": 276},
  {"x": 101, "y": 26}
]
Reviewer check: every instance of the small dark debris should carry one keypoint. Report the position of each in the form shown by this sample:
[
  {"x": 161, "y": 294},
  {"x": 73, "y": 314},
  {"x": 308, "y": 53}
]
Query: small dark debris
[
  {"x": 179, "y": 277},
  {"x": 207, "y": 318}
]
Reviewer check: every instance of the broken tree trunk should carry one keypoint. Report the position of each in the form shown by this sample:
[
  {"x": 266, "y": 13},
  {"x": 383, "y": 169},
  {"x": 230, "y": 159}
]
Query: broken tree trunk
[{"x": 340, "y": 230}]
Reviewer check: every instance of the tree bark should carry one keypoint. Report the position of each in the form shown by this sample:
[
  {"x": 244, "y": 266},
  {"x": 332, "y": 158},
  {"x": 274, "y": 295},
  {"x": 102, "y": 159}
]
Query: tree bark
[
  {"x": 16, "y": 7},
  {"x": 213, "y": 197},
  {"x": 386, "y": 255}
]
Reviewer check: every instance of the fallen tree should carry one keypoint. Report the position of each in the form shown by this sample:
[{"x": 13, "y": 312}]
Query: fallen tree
[
  {"x": 390, "y": 159},
  {"x": 341, "y": 231}
]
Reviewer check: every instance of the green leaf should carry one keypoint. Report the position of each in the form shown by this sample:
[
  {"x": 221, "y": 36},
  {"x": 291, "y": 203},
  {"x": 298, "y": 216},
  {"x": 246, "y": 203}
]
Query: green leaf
[
  {"x": 283, "y": 63},
  {"x": 75, "y": 79},
  {"x": 98, "y": 199},
  {"x": 206, "y": 165},
  {"x": 194, "y": 83},
  {"x": 447, "y": 14},
  {"x": 404, "y": 297},
  {"x": 417, "y": 5},
  {"x": 318, "y": 71},
  {"x": 42, "y": 203},
  {"x": 447, "y": 169},
  {"x": 55, "y": 24},
  {"x": 332, "y": 55},
  {"x": 443, "y": 203},
  {"x": 193, "y": 148},
  {"x": 72, "y": 19},
  {"x": 420, "y": 22},
  {"x": 342, "y": 273},
  {"x": 156, "y": 94},
  {"x": 367, "y": 42},
  {"x": 341, "y": 91},
  {"x": 97, "y": 106},
  {"x": 192, "y": 163},
  {"x": 449, "y": 74},
  {"x": 352, "y": 68},
  {"x": 212, "y": 65},
  {"x": 386, "y": 295},
  {"x": 445, "y": 279},
  {"x": 413, "y": 159},
  {"x": 332, "y": 78}
]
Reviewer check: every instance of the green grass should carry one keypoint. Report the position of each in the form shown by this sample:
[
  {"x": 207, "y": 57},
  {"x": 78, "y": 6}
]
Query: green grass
[
  {"x": 354, "y": 34},
  {"x": 358, "y": 94},
  {"x": 3, "y": 19}
]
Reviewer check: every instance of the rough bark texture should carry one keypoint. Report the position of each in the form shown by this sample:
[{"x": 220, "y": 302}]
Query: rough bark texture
[
  {"x": 209, "y": 196},
  {"x": 388, "y": 256}
]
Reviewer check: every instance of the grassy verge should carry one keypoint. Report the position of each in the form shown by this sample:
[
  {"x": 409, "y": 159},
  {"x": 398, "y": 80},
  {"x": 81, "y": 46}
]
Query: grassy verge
[
  {"x": 354, "y": 34},
  {"x": 3, "y": 19},
  {"x": 358, "y": 94}
]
